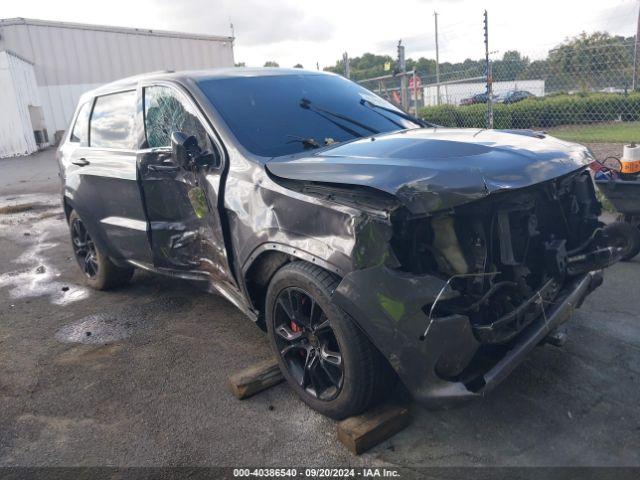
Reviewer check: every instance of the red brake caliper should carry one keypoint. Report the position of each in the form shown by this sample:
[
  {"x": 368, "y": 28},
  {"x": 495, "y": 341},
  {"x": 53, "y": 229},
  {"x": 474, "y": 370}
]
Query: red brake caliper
[
  {"x": 294, "y": 325},
  {"x": 296, "y": 328}
]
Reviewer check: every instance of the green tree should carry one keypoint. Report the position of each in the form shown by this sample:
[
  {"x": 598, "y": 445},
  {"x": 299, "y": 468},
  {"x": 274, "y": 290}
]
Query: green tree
[
  {"x": 587, "y": 62},
  {"x": 510, "y": 67},
  {"x": 423, "y": 66},
  {"x": 271, "y": 63},
  {"x": 591, "y": 61},
  {"x": 366, "y": 66},
  {"x": 298, "y": 65}
]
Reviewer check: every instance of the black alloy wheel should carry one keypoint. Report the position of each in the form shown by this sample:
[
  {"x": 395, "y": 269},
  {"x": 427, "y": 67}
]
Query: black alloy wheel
[
  {"x": 307, "y": 344},
  {"x": 84, "y": 248}
]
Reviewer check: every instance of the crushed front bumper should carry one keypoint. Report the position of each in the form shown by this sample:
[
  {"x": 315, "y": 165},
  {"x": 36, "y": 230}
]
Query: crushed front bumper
[{"x": 389, "y": 307}]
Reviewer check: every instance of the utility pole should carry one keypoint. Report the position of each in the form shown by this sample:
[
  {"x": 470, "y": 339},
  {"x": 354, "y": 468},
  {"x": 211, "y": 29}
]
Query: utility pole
[
  {"x": 415, "y": 92},
  {"x": 489, "y": 75},
  {"x": 345, "y": 64},
  {"x": 435, "y": 15},
  {"x": 402, "y": 66},
  {"x": 636, "y": 53}
]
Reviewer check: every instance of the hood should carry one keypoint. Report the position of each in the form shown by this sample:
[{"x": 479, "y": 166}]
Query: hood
[{"x": 433, "y": 169}]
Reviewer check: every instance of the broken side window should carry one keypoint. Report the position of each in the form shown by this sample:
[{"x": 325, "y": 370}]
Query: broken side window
[{"x": 165, "y": 113}]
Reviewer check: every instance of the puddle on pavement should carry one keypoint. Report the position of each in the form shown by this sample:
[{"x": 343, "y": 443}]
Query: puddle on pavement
[
  {"x": 96, "y": 329},
  {"x": 36, "y": 276},
  {"x": 121, "y": 323}
]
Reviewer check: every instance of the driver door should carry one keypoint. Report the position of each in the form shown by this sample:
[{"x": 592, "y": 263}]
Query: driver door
[{"x": 181, "y": 201}]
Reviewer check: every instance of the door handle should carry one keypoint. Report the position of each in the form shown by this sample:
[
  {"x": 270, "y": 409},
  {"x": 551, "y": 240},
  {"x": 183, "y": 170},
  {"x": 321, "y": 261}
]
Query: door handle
[{"x": 81, "y": 162}]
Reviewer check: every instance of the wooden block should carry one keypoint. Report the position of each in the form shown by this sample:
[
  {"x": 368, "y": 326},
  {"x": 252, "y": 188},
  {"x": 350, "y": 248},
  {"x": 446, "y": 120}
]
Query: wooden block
[
  {"x": 256, "y": 378},
  {"x": 365, "y": 431}
]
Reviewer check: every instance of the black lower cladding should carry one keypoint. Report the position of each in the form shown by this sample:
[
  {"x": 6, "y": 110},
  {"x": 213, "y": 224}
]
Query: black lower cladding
[
  {"x": 84, "y": 248},
  {"x": 307, "y": 344}
]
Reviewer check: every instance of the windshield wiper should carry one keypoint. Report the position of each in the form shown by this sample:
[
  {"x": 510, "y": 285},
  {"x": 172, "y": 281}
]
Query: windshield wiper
[
  {"x": 306, "y": 142},
  {"x": 307, "y": 104},
  {"x": 400, "y": 114}
]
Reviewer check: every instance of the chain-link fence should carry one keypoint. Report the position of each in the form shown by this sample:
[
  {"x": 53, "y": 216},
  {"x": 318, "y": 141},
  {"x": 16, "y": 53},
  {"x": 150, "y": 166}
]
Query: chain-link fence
[
  {"x": 403, "y": 90},
  {"x": 585, "y": 89},
  {"x": 579, "y": 84}
]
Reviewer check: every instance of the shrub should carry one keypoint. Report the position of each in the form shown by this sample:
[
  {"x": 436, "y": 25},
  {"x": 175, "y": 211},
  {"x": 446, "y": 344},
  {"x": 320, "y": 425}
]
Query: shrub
[
  {"x": 541, "y": 112},
  {"x": 444, "y": 115}
]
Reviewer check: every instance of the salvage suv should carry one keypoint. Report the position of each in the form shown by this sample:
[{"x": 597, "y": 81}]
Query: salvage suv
[{"x": 368, "y": 244}]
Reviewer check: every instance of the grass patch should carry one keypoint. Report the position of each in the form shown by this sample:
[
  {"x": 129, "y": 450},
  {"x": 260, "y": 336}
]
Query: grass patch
[{"x": 619, "y": 132}]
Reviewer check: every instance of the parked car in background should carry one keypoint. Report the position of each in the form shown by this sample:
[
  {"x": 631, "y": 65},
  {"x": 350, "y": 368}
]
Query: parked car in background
[
  {"x": 368, "y": 244},
  {"x": 513, "y": 96},
  {"x": 477, "y": 98}
]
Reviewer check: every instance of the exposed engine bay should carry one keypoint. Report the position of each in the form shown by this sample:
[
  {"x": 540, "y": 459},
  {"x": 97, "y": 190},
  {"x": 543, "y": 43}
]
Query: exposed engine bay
[{"x": 507, "y": 255}]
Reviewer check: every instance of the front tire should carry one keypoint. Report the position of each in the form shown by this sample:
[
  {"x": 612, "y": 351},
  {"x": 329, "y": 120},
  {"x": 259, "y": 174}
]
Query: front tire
[
  {"x": 99, "y": 272},
  {"x": 325, "y": 358}
]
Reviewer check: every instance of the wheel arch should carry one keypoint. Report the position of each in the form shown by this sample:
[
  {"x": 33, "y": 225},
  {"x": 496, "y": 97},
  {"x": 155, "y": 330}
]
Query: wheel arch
[
  {"x": 263, "y": 264},
  {"x": 67, "y": 206}
]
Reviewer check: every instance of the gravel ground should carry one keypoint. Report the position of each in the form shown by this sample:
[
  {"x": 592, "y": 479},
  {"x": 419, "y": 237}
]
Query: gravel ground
[{"x": 604, "y": 150}]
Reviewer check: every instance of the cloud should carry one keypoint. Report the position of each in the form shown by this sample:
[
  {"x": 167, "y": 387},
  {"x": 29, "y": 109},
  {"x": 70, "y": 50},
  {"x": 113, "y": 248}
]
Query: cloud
[
  {"x": 256, "y": 22},
  {"x": 310, "y": 31},
  {"x": 413, "y": 43}
]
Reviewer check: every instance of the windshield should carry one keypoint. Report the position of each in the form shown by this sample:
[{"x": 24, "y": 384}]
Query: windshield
[{"x": 285, "y": 114}]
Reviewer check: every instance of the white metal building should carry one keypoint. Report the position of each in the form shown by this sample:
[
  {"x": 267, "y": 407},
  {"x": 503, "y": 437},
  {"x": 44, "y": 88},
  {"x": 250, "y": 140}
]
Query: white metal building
[
  {"x": 453, "y": 93},
  {"x": 69, "y": 58},
  {"x": 19, "y": 101}
]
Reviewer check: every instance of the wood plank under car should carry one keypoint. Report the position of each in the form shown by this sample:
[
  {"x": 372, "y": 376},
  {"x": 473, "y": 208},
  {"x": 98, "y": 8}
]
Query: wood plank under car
[
  {"x": 358, "y": 434},
  {"x": 254, "y": 379},
  {"x": 362, "y": 432}
]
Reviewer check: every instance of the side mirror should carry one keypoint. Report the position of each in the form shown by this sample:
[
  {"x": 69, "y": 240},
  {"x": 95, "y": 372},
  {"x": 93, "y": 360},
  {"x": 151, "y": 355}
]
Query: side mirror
[
  {"x": 186, "y": 152},
  {"x": 184, "y": 149}
]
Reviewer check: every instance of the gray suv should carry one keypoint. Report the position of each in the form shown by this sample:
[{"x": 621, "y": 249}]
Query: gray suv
[{"x": 368, "y": 244}]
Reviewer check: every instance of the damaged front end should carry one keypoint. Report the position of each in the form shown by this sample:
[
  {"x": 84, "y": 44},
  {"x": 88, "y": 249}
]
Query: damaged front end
[
  {"x": 491, "y": 239},
  {"x": 463, "y": 294}
]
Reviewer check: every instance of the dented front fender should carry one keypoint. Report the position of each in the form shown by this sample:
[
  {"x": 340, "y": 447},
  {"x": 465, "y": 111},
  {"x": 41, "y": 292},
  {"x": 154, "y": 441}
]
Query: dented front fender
[{"x": 389, "y": 306}]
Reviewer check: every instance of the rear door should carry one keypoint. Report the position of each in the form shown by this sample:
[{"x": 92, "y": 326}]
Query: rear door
[
  {"x": 181, "y": 203},
  {"x": 102, "y": 177}
]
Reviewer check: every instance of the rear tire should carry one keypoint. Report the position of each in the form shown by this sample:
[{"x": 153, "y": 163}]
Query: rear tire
[
  {"x": 626, "y": 236},
  {"x": 364, "y": 377},
  {"x": 98, "y": 271}
]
